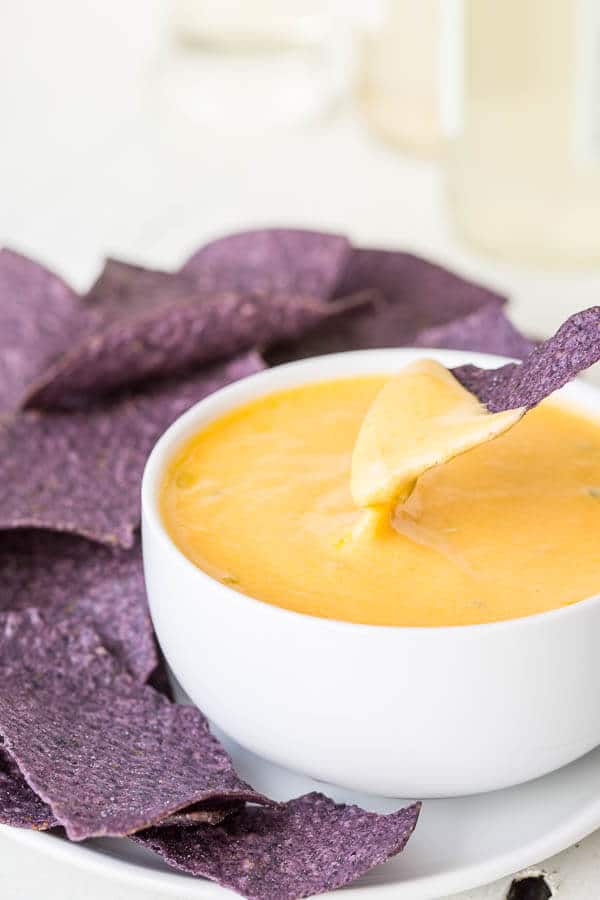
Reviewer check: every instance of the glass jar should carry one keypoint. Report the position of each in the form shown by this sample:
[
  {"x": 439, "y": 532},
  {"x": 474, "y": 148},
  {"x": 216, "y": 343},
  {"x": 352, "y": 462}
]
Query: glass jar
[
  {"x": 522, "y": 92},
  {"x": 400, "y": 75},
  {"x": 244, "y": 66}
]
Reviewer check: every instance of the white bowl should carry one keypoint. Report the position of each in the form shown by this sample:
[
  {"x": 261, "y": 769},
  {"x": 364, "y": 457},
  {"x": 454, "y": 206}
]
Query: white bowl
[{"x": 402, "y": 712}]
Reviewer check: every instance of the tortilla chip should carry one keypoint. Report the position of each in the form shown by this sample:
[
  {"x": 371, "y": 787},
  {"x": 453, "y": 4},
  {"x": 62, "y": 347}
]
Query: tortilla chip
[
  {"x": 40, "y": 316},
  {"x": 487, "y": 330},
  {"x": 69, "y": 576},
  {"x": 110, "y": 756},
  {"x": 80, "y": 472},
  {"x": 19, "y": 805},
  {"x": 244, "y": 291},
  {"x": 123, "y": 287},
  {"x": 278, "y": 263},
  {"x": 310, "y": 846},
  {"x": 166, "y": 325},
  {"x": 574, "y": 348},
  {"x": 419, "y": 304}
]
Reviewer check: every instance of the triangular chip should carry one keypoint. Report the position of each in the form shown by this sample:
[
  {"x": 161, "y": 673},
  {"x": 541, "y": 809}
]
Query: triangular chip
[
  {"x": 152, "y": 324},
  {"x": 20, "y": 806},
  {"x": 422, "y": 417},
  {"x": 108, "y": 755},
  {"x": 80, "y": 472},
  {"x": 70, "y": 576},
  {"x": 310, "y": 846},
  {"x": 574, "y": 348},
  {"x": 273, "y": 262},
  {"x": 420, "y": 304},
  {"x": 40, "y": 317}
]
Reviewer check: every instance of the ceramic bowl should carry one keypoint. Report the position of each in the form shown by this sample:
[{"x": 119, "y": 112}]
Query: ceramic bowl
[{"x": 401, "y": 712}]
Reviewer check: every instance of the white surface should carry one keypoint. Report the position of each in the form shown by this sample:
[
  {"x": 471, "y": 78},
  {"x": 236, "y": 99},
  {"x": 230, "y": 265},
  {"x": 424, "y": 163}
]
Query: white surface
[
  {"x": 398, "y": 712},
  {"x": 90, "y": 164},
  {"x": 458, "y": 843}
]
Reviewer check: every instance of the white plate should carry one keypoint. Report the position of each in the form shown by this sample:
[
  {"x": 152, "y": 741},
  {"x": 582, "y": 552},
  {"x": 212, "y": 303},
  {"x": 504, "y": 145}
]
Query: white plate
[{"x": 459, "y": 843}]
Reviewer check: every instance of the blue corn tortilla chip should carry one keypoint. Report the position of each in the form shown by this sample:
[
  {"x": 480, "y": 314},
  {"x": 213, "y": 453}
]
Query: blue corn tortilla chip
[
  {"x": 274, "y": 262},
  {"x": 310, "y": 846},
  {"x": 574, "y": 348},
  {"x": 20, "y": 806},
  {"x": 487, "y": 330},
  {"x": 40, "y": 317},
  {"x": 123, "y": 287},
  {"x": 249, "y": 290},
  {"x": 419, "y": 304},
  {"x": 170, "y": 340},
  {"x": 408, "y": 279},
  {"x": 107, "y": 754},
  {"x": 182, "y": 331},
  {"x": 80, "y": 472},
  {"x": 70, "y": 576}
]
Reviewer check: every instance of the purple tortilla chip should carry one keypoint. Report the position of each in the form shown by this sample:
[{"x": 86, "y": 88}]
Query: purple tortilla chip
[
  {"x": 247, "y": 290},
  {"x": 420, "y": 304},
  {"x": 69, "y": 576},
  {"x": 80, "y": 472},
  {"x": 574, "y": 348},
  {"x": 176, "y": 329},
  {"x": 123, "y": 287},
  {"x": 310, "y": 846},
  {"x": 40, "y": 316},
  {"x": 109, "y": 755},
  {"x": 487, "y": 330},
  {"x": 408, "y": 280},
  {"x": 19, "y": 805},
  {"x": 274, "y": 262}
]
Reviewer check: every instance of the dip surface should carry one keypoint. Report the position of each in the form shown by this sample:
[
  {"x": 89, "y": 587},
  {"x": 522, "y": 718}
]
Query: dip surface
[{"x": 261, "y": 500}]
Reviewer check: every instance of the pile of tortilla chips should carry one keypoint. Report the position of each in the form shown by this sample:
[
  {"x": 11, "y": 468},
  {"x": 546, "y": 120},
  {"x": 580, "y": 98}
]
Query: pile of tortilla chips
[{"x": 87, "y": 385}]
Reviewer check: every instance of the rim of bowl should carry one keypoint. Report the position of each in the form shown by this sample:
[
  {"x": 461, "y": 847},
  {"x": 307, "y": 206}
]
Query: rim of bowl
[{"x": 176, "y": 434}]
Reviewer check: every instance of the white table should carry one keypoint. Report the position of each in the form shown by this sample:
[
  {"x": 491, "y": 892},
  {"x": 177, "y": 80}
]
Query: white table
[{"x": 91, "y": 163}]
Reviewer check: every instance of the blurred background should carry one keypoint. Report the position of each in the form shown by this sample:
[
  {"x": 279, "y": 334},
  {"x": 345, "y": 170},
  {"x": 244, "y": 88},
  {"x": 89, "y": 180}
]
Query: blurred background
[{"x": 465, "y": 130}]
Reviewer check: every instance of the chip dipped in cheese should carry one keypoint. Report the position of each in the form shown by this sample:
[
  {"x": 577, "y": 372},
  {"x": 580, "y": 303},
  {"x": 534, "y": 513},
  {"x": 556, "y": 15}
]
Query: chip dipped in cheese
[{"x": 422, "y": 417}]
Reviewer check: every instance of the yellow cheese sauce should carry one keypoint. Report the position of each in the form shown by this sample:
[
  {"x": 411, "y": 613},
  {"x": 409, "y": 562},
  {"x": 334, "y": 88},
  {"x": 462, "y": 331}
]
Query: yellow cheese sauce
[{"x": 261, "y": 499}]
